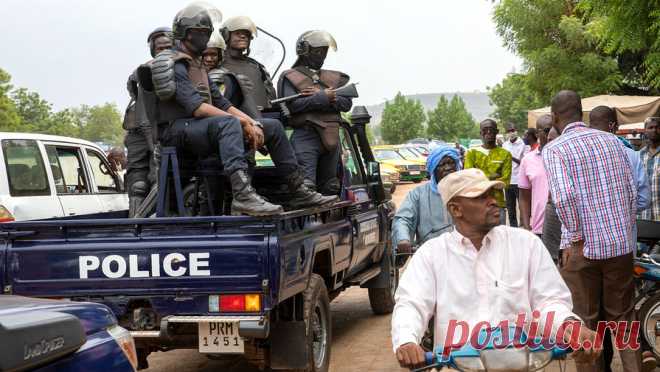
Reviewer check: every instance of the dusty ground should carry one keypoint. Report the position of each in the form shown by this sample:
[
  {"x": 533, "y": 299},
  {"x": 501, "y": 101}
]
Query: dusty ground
[{"x": 361, "y": 340}]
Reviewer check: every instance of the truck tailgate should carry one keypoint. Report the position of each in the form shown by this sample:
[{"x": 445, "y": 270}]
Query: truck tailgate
[{"x": 136, "y": 257}]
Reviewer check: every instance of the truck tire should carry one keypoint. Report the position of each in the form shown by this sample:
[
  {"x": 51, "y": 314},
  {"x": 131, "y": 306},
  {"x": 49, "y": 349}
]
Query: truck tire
[
  {"x": 382, "y": 299},
  {"x": 319, "y": 326}
]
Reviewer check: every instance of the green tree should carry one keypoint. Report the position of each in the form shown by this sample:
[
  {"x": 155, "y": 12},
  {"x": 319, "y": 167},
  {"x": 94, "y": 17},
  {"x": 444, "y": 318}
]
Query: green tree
[
  {"x": 10, "y": 121},
  {"x": 37, "y": 116},
  {"x": 34, "y": 111},
  {"x": 403, "y": 119},
  {"x": 630, "y": 30},
  {"x": 63, "y": 123},
  {"x": 450, "y": 120},
  {"x": 100, "y": 123},
  {"x": 558, "y": 46},
  {"x": 512, "y": 99}
]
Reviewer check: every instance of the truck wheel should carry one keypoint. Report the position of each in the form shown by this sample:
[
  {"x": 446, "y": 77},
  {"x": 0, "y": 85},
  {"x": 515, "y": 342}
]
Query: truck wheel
[
  {"x": 417, "y": 180},
  {"x": 319, "y": 326},
  {"x": 382, "y": 299}
]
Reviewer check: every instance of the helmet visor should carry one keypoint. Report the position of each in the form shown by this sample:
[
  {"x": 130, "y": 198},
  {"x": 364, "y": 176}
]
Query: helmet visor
[
  {"x": 241, "y": 23},
  {"x": 213, "y": 12},
  {"x": 320, "y": 38}
]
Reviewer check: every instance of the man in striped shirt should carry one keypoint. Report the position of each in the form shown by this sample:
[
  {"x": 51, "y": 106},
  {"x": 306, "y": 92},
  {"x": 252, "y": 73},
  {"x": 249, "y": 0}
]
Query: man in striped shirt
[
  {"x": 650, "y": 157},
  {"x": 592, "y": 186}
]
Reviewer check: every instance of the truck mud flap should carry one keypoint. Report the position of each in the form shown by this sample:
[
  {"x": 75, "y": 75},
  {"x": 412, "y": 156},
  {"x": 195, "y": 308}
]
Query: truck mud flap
[{"x": 288, "y": 345}]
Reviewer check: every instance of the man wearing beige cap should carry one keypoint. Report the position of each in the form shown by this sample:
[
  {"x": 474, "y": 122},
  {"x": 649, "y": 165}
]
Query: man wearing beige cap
[{"x": 481, "y": 271}]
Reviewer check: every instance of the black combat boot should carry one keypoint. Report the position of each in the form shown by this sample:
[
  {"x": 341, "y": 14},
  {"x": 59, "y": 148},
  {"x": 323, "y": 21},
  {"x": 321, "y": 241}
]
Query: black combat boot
[
  {"x": 246, "y": 200},
  {"x": 303, "y": 196}
]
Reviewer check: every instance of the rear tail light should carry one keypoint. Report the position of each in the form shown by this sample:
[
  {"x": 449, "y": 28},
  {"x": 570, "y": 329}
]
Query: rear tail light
[
  {"x": 5, "y": 215},
  {"x": 639, "y": 270},
  {"x": 125, "y": 342},
  {"x": 235, "y": 303}
]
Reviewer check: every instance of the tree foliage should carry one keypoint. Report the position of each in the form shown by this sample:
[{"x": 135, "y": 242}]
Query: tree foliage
[
  {"x": 101, "y": 123},
  {"x": 34, "y": 111},
  {"x": 10, "y": 121},
  {"x": 450, "y": 120},
  {"x": 403, "y": 119},
  {"x": 24, "y": 111},
  {"x": 630, "y": 30},
  {"x": 512, "y": 99},
  {"x": 559, "y": 48}
]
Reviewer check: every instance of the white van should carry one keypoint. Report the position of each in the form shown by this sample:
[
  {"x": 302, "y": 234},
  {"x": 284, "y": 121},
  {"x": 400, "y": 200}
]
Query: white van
[{"x": 51, "y": 176}]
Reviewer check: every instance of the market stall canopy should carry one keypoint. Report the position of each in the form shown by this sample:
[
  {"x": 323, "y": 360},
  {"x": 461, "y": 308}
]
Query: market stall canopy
[
  {"x": 629, "y": 109},
  {"x": 631, "y": 128}
]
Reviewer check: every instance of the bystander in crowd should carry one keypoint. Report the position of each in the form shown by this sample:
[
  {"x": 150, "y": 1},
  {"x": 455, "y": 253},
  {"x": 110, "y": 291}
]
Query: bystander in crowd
[
  {"x": 518, "y": 149},
  {"x": 494, "y": 161},
  {"x": 592, "y": 186}
]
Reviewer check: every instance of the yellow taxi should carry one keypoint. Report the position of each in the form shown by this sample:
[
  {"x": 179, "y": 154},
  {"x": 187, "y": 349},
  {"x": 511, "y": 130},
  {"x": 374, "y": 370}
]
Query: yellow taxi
[
  {"x": 409, "y": 153},
  {"x": 408, "y": 170}
]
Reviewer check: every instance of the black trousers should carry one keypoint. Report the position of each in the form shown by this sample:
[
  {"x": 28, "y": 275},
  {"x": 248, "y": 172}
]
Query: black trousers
[
  {"x": 511, "y": 195},
  {"x": 318, "y": 164},
  {"x": 138, "y": 160},
  {"x": 223, "y": 135}
]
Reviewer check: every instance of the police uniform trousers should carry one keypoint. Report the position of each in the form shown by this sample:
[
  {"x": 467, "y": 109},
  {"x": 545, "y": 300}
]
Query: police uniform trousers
[
  {"x": 318, "y": 164},
  {"x": 138, "y": 159},
  {"x": 223, "y": 135}
]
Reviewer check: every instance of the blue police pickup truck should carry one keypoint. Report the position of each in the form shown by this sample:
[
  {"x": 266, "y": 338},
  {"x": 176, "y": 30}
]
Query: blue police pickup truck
[
  {"x": 259, "y": 287},
  {"x": 58, "y": 335}
]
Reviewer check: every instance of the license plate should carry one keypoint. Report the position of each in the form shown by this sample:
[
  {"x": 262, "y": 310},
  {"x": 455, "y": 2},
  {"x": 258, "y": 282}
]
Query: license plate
[
  {"x": 414, "y": 173},
  {"x": 219, "y": 338}
]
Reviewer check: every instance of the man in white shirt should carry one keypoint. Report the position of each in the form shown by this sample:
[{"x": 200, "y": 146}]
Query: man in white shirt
[
  {"x": 478, "y": 272},
  {"x": 518, "y": 149}
]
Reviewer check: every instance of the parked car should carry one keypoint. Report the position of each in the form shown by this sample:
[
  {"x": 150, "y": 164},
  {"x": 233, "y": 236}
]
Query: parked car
[
  {"x": 475, "y": 143},
  {"x": 411, "y": 154},
  {"x": 52, "y": 176},
  {"x": 390, "y": 177},
  {"x": 421, "y": 149},
  {"x": 45, "y": 335},
  {"x": 408, "y": 170}
]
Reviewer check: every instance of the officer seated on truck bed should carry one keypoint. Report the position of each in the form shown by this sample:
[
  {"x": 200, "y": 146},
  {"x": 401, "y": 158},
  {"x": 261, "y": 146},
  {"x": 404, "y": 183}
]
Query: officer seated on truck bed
[{"x": 195, "y": 117}]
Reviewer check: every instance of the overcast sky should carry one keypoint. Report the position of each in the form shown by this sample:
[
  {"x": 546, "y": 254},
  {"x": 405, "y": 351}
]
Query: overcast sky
[{"x": 81, "y": 51}]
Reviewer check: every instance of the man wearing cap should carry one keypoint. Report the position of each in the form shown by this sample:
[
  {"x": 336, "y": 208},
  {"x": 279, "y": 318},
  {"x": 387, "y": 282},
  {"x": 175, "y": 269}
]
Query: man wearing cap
[
  {"x": 481, "y": 271},
  {"x": 422, "y": 215}
]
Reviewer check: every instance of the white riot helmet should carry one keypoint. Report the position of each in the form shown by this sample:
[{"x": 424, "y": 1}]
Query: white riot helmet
[
  {"x": 314, "y": 39},
  {"x": 238, "y": 23}
]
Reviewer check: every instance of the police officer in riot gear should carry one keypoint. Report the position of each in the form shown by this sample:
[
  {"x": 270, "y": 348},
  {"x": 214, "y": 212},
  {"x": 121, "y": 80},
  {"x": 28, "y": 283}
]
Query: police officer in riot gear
[
  {"x": 225, "y": 80},
  {"x": 212, "y": 55},
  {"x": 315, "y": 116},
  {"x": 238, "y": 33},
  {"x": 140, "y": 172},
  {"x": 198, "y": 119}
]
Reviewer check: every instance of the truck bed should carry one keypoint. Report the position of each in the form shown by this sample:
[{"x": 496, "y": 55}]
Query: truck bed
[{"x": 91, "y": 258}]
